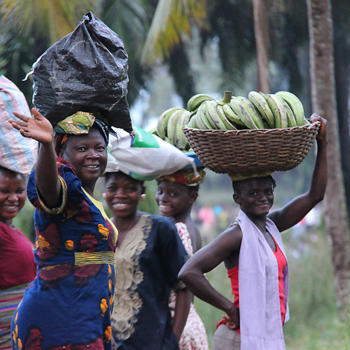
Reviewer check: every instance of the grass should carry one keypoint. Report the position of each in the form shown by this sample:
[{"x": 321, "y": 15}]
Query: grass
[{"x": 314, "y": 322}]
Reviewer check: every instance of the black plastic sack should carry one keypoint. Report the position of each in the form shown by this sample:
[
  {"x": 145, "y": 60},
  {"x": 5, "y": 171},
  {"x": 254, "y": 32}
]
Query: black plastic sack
[{"x": 84, "y": 71}]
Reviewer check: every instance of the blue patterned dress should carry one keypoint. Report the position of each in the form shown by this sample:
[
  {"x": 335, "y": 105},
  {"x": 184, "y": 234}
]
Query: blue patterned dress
[{"x": 69, "y": 304}]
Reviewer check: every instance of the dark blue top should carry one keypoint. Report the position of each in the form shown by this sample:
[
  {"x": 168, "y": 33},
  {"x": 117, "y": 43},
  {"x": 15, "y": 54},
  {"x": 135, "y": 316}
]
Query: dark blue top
[{"x": 147, "y": 263}]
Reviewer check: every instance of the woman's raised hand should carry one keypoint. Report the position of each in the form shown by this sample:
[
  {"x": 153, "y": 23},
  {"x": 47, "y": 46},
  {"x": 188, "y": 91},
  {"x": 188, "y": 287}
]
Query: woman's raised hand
[
  {"x": 37, "y": 128},
  {"x": 321, "y": 135}
]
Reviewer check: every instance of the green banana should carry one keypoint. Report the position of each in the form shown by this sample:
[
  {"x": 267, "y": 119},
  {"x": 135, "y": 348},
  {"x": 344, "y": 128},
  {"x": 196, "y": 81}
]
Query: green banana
[
  {"x": 242, "y": 113},
  {"x": 209, "y": 105},
  {"x": 201, "y": 117},
  {"x": 295, "y": 105},
  {"x": 254, "y": 113},
  {"x": 162, "y": 123},
  {"x": 278, "y": 110},
  {"x": 220, "y": 112},
  {"x": 180, "y": 138},
  {"x": 261, "y": 105},
  {"x": 231, "y": 115},
  {"x": 195, "y": 101},
  {"x": 213, "y": 116},
  {"x": 171, "y": 130},
  {"x": 290, "y": 115},
  {"x": 192, "y": 122},
  {"x": 153, "y": 131}
]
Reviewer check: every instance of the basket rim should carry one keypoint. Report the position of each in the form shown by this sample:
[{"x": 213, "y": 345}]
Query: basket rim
[{"x": 260, "y": 131}]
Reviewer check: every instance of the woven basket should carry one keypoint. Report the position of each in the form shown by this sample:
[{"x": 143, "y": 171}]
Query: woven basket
[{"x": 252, "y": 151}]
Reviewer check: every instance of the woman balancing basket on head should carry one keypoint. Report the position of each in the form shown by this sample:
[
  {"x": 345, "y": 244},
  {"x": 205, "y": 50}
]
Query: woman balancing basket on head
[{"x": 252, "y": 248}]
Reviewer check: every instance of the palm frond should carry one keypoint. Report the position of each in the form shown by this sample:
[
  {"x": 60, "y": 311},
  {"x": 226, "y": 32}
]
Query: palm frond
[
  {"x": 55, "y": 18},
  {"x": 129, "y": 20},
  {"x": 172, "y": 20}
]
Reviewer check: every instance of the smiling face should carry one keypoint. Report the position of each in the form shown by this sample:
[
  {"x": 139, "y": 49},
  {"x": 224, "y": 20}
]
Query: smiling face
[
  {"x": 255, "y": 196},
  {"x": 88, "y": 154},
  {"x": 174, "y": 199},
  {"x": 122, "y": 194},
  {"x": 12, "y": 195}
]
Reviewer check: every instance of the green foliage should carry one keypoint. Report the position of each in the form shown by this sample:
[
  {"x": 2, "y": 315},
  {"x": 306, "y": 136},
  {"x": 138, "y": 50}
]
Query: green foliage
[
  {"x": 25, "y": 221},
  {"x": 172, "y": 20},
  {"x": 54, "y": 18}
]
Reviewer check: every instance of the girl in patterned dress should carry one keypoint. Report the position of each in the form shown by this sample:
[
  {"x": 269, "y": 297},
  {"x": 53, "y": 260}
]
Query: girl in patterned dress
[{"x": 175, "y": 196}]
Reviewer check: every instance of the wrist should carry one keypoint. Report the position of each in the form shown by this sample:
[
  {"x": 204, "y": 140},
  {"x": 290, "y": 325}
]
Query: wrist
[
  {"x": 322, "y": 142},
  {"x": 232, "y": 309}
]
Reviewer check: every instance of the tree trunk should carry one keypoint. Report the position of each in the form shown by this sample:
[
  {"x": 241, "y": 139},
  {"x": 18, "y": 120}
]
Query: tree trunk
[
  {"x": 342, "y": 88},
  {"x": 324, "y": 104},
  {"x": 261, "y": 29}
]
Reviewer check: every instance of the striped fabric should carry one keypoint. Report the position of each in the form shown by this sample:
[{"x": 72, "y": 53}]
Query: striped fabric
[
  {"x": 17, "y": 153},
  {"x": 9, "y": 300},
  {"x": 83, "y": 258}
]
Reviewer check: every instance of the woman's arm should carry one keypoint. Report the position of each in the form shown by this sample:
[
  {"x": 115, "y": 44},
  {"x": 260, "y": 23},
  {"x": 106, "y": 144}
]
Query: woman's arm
[
  {"x": 46, "y": 176},
  {"x": 206, "y": 259},
  {"x": 294, "y": 211},
  {"x": 182, "y": 307}
]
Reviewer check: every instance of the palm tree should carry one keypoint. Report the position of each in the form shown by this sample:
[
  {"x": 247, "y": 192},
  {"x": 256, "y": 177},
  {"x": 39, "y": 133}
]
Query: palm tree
[
  {"x": 172, "y": 20},
  {"x": 29, "y": 28},
  {"x": 324, "y": 103},
  {"x": 341, "y": 13},
  {"x": 51, "y": 18},
  {"x": 262, "y": 40}
]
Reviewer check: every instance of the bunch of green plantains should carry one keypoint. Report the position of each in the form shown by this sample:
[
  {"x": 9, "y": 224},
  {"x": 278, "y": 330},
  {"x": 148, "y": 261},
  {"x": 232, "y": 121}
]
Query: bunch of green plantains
[{"x": 259, "y": 111}]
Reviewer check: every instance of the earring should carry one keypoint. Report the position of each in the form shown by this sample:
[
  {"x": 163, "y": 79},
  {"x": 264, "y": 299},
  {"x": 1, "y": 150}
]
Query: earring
[
  {"x": 104, "y": 195},
  {"x": 143, "y": 197}
]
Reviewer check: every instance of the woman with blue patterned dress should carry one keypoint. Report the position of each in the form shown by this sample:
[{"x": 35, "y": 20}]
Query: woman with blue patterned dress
[{"x": 69, "y": 304}]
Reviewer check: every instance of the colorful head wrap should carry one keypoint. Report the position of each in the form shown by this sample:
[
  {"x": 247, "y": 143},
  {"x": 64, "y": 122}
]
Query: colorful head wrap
[
  {"x": 78, "y": 124},
  {"x": 185, "y": 177}
]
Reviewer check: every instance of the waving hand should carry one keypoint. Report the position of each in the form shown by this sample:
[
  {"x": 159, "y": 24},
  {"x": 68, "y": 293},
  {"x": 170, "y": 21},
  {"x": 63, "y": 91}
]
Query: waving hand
[{"x": 37, "y": 128}]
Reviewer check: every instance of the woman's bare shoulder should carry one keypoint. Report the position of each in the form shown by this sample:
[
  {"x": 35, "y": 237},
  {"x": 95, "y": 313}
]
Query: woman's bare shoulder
[{"x": 231, "y": 238}]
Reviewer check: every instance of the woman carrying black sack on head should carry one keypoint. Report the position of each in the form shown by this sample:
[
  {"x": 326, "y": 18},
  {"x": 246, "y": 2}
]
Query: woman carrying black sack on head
[{"x": 70, "y": 302}]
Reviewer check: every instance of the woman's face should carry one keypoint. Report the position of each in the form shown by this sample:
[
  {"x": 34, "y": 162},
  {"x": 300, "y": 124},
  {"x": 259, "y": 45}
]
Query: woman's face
[
  {"x": 122, "y": 194},
  {"x": 255, "y": 196},
  {"x": 12, "y": 195},
  {"x": 173, "y": 198},
  {"x": 88, "y": 154}
]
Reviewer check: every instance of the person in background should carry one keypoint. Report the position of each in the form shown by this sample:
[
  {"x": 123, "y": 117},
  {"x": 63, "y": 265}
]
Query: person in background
[
  {"x": 175, "y": 196},
  {"x": 206, "y": 215},
  {"x": 148, "y": 259},
  {"x": 17, "y": 267},
  {"x": 70, "y": 302},
  {"x": 254, "y": 256}
]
